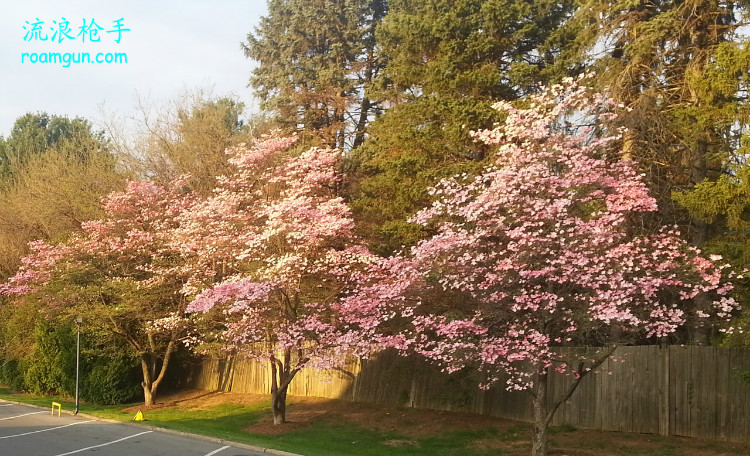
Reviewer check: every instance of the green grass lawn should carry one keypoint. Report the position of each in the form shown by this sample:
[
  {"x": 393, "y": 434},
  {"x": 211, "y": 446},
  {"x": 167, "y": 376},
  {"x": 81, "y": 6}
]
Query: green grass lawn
[
  {"x": 322, "y": 438},
  {"x": 336, "y": 433}
]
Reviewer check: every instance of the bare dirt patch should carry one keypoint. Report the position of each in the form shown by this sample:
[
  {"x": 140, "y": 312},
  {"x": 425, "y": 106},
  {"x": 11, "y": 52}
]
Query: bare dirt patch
[
  {"x": 301, "y": 411},
  {"x": 399, "y": 443},
  {"x": 268, "y": 428}
]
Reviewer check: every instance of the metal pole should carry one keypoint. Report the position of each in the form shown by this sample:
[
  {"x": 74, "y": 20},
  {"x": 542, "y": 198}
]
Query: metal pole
[{"x": 78, "y": 359}]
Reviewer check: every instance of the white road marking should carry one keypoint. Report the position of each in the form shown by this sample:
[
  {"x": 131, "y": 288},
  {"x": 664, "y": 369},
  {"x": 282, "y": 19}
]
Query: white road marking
[
  {"x": 216, "y": 451},
  {"x": 19, "y": 416},
  {"x": 103, "y": 444},
  {"x": 6, "y": 405},
  {"x": 45, "y": 430}
]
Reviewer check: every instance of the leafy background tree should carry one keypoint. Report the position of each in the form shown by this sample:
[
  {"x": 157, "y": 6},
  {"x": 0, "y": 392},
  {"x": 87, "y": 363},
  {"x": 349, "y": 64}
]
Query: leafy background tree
[
  {"x": 447, "y": 62},
  {"x": 682, "y": 69},
  {"x": 186, "y": 136},
  {"x": 54, "y": 171}
]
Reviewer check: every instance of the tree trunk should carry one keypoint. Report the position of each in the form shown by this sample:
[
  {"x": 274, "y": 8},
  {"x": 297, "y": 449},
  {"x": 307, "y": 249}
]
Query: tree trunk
[
  {"x": 545, "y": 408},
  {"x": 700, "y": 235},
  {"x": 148, "y": 397},
  {"x": 278, "y": 405},
  {"x": 281, "y": 376},
  {"x": 359, "y": 137},
  {"x": 150, "y": 384},
  {"x": 698, "y": 174},
  {"x": 539, "y": 439},
  {"x": 146, "y": 384}
]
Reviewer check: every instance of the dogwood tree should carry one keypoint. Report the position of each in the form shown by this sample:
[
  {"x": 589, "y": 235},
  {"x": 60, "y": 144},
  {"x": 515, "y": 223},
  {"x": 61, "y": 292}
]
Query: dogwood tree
[
  {"x": 541, "y": 249},
  {"x": 121, "y": 274},
  {"x": 299, "y": 290}
]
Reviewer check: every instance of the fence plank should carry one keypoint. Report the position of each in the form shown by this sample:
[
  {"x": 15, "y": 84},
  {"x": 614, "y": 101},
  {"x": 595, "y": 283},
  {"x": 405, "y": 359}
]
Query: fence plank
[
  {"x": 663, "y": 374},
  {"x": 739, "y": 396},
  {"x": 722, "y": 395}
]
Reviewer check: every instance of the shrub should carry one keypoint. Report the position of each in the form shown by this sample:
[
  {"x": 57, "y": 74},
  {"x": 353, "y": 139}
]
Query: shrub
[
  {"x": 110, "y": 381},
  {"x": 11, "y": 375},
  {"x": 48, "y": 369}
]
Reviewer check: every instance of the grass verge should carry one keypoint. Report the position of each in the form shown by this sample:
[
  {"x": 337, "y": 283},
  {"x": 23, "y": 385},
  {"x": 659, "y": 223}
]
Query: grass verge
[{"x": 325, "y": 427}]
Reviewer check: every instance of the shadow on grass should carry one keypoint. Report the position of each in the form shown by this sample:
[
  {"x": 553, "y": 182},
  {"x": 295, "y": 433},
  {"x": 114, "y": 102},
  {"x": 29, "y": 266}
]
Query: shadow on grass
[{"x": 324, "y": 437}]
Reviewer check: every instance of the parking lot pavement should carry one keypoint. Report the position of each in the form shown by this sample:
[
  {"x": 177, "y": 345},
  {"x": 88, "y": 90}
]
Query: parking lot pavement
[{"x": 27, "y": 431}]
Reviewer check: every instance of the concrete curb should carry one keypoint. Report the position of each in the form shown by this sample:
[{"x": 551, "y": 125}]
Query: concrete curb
[{"x": 204, "y": 438}]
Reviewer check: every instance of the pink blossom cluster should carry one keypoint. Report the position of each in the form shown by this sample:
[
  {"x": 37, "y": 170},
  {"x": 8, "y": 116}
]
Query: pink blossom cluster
[
  {"x": 128, "y": 250},
  {"x": 36, "y": 267},
  {"x": 540, "y": 242},
  {"x": 294, "y": 277}
]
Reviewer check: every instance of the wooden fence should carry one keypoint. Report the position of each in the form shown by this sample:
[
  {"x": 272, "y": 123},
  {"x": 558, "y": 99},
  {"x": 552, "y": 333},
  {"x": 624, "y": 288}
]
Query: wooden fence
[{"x": 688, "y": 391}]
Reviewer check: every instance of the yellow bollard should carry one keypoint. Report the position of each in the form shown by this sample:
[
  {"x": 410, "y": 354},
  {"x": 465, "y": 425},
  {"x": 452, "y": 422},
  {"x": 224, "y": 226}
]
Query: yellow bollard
[{"x": 59, "y": 408}]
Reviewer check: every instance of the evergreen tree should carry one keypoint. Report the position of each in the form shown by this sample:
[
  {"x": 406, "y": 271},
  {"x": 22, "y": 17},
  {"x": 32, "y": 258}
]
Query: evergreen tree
[
  {"x": 316, "y": 58},
  {"x": 682, "y": 69},
  {"x": 447, "y": 62}
]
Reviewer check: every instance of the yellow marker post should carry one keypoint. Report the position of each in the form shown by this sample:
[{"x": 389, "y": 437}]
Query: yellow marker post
[
  {"x": 139, "y": 416},
  {"x": 59, "y": 408}
]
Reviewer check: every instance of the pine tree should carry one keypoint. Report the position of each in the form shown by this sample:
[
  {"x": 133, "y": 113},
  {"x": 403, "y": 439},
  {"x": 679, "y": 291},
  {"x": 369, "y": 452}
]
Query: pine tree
[
  {"x": 447, "y": 62},
  {"x": 316, "y": 59},
  {"x": 682, "y": 68}
]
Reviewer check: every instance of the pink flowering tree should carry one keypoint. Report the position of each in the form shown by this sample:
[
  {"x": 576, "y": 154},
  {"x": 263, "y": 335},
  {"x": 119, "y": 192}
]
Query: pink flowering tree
[
  {"x": 297, "y": 289},
  {"x": 121, "y": 273},
  {"x": 540, "y": 251}
]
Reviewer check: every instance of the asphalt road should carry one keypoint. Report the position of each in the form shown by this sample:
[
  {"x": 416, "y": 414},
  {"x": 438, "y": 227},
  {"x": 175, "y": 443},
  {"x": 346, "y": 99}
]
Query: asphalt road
[{"x": 27, "y": 431}]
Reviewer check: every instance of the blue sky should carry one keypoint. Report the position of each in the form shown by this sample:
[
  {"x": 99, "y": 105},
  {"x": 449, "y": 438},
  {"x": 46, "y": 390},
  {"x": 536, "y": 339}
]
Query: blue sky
[{"x": 173, "y": 46}]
